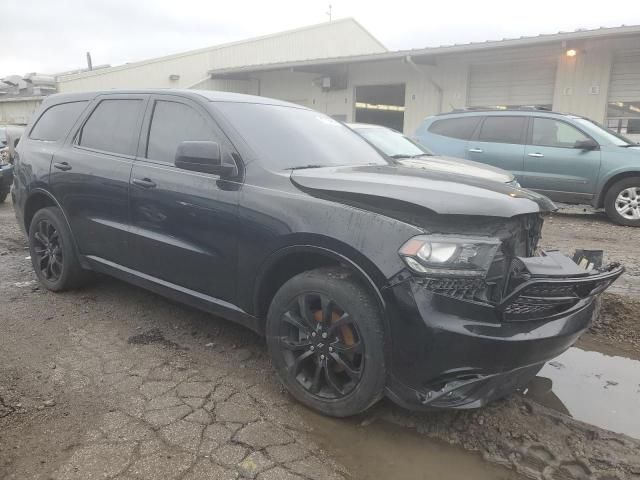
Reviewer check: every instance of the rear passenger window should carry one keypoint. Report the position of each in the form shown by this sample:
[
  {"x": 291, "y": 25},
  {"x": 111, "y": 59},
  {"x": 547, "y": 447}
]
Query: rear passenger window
[
  {"x": 172, "y": 123},
  {"x": 502, "y": 129},
  {"x": 112, "y": 127},
  {"x": 56, "y": 121},
  {"x": 461, "y": 128}
]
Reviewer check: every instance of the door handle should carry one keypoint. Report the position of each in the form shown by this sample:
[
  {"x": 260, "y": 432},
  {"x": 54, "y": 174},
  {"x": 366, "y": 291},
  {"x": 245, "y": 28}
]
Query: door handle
[
  {"x": 144, "y": 182},
  {"x": 537, "y": 155},
  {"x": 64, "y": 166},
  {"x": 475, "y": 150}
]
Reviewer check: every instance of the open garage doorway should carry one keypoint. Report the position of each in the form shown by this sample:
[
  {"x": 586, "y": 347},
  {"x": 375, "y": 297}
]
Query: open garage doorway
[{"x": 381, "y": 105}]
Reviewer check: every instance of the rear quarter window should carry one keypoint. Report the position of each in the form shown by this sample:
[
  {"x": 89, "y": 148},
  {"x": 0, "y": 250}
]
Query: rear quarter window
[
  {"x": 56, "y": 121},
  {"x": 461, "y": 128}
]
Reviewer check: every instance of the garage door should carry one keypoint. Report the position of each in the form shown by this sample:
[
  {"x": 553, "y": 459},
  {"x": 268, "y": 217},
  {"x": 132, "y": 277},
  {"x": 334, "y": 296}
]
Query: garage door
[
  {"x": 623, "y": 108},
  {"x": 625, "y": 77},
  {"x": 514, "y": 83}
]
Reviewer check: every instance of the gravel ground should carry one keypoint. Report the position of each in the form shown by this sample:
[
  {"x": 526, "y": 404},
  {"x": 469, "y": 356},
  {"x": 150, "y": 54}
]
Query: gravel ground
[{"x": 114, "y": 382}]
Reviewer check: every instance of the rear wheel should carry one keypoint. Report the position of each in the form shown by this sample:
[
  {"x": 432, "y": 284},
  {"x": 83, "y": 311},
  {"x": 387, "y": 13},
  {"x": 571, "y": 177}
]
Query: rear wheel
[
  {"x": 325, "y": 337},
  {"x": 622, "y": 202},
  {"x": 52, "y": 252}
]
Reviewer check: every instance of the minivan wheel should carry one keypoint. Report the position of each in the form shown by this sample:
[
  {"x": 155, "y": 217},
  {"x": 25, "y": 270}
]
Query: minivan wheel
[
  {"x": 325, "y": 337},
  {"x": 52, "y": 254},
  {"x": 622, "y": 202}
]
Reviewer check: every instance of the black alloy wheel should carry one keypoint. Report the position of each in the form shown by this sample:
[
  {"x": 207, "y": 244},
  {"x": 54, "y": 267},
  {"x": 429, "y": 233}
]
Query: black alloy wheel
[
  {"x": 324, "y": 350},
  {"x": 326, "y": 341},
  {"x": 48, "y": 250}
]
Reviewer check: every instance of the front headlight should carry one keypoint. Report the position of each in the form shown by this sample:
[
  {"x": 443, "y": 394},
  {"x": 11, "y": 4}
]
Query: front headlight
[
  {"x": 443, "y": 255},
  {"x": 4, "y": 156}
]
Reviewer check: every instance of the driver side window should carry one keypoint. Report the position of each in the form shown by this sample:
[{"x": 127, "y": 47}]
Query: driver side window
[
  {"x": 553, "y": 133},
  {"x": 171, "y": 124}
]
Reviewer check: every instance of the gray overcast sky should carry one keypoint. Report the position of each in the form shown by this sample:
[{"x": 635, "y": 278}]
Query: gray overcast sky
[{"x": 49, "y": 36}]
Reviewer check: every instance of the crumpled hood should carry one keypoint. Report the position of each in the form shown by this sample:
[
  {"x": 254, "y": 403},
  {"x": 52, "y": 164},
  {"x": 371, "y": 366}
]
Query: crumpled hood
[
  {"x": 437, "y": 191},
  {"x": 458, "y": 166}
]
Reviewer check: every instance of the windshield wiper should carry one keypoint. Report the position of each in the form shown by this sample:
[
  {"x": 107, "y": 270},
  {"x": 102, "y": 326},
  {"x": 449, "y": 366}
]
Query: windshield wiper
[
  {"x": 398, "y": 156},
  {"x": 302, "y": 167}
]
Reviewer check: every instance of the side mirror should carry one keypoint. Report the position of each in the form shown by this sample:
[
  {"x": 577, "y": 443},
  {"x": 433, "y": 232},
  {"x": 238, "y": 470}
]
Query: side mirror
[
  {"x": 203, "y": 157},
  {"x": 588, "y": 144}
]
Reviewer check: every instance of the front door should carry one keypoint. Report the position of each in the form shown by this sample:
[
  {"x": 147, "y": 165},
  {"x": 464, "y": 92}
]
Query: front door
[
  {"x": 554, "y": 166},
  {"x": 90, "y": 175},
  {"x": 183, "y": 222},
  {"x": 500, "y": 142}
]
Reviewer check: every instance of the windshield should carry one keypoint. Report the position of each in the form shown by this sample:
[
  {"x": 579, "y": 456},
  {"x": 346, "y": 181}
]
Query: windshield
[
  {"x": 288, "y": 137},
  {"x": 611, "y": 136},
  {"x": 392, "y": 143}
]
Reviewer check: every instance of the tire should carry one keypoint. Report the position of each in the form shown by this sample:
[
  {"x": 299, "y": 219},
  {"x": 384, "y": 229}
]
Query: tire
[
  {"x": 344, "y": 374},
  {"x": 3, "y": 195},
  {"x": 620, "y": 194},
  {"x": 52, "y": 251}
]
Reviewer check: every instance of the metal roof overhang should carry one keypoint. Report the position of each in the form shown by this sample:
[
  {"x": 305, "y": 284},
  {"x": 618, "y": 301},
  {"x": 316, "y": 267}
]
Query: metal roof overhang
[{"x": 422, "y": 55}]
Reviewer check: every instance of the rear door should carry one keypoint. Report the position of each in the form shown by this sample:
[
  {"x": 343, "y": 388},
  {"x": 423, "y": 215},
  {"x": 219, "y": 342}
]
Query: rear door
[
  {"x": 90, "y": 175},
  {"x": 500, "y": 142},
  {"x": 183, "y": 222},
  {"x": 554, "y": 166}
]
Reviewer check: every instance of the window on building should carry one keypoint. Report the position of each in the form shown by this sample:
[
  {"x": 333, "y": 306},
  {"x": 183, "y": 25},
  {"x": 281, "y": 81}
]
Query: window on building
[
  {"x": 112, "y": 127},
  {"x": 548, "y": 132},
  {"x": 171, "y": 124},
  {"x": 507, "y": 129},
  {"x": 56, "y": 121},
  {"x": 461, "y": 128},
  {"x": 624, "y": 117}
]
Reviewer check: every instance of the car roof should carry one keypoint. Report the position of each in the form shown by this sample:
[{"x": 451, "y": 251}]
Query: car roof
[
  {"x": 537, "y": 112},
  {"x": 208, "y": 95},
  {"x": 365, "y": 125}
]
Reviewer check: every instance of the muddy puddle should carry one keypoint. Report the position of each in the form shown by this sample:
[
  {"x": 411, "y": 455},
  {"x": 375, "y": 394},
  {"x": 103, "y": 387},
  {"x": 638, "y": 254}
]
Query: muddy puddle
[
  {"x": 599, "y": 389},
  {"x": 382, "y": 450}
]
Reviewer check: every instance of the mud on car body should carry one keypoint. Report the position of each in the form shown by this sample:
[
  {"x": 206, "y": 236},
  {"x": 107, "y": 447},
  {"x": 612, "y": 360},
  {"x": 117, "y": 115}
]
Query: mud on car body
[{"x": 367, "y": 277}]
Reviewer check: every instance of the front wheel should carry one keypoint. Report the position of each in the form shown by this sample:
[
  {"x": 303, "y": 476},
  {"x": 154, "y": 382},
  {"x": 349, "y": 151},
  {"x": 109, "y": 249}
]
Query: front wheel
[
  {"x": 622, "y": 202},
  {"x": 325, "y": 338}
]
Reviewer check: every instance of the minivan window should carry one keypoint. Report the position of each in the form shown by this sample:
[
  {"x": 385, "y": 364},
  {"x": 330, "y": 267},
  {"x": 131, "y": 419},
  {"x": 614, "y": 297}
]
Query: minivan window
[
  {"x": 172, "y": 123},
  {"x": 56, "y": 121},
  {"x": 502, "y": 129},
  {"x": 548, "y": 132},
  {"x": 461, "y": 128},
  {"x": 288, "y": 137},
  {"x": 112, "y": 127}
]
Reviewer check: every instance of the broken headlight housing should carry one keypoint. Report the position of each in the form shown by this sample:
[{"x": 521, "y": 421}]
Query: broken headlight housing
[{"x": 451, "y": 256}]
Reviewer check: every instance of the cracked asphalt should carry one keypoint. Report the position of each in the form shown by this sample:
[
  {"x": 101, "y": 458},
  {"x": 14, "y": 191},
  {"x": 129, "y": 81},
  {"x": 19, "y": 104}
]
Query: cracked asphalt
[{"x": 111, "y": 381}]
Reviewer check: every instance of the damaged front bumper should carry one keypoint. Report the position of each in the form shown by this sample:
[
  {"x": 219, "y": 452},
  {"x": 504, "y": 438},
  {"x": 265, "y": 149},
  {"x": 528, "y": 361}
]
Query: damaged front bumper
[{"x": 454, "y": 352}]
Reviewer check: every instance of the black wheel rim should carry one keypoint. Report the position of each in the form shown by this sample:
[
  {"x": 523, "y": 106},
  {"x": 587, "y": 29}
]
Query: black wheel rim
[
  {"x": 48, "y": 251},
  {"x": 322, "y": 346}
]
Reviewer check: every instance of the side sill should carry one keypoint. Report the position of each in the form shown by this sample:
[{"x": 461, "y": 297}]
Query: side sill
[{"x": 176, "y": 292}]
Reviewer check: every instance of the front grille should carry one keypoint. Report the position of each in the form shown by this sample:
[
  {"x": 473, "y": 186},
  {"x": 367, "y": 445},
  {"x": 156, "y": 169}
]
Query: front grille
[{"x": 460, "y": 288}]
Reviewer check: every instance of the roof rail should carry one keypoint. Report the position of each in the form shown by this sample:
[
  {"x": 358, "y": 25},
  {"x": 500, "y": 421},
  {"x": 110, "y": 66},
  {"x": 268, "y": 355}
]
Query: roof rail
[{"x": 538, "y": 108}]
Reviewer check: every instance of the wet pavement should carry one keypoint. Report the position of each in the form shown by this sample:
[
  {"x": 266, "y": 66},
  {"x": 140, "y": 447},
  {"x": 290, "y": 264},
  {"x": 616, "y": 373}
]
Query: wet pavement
[{"x": 590, "y": 386}]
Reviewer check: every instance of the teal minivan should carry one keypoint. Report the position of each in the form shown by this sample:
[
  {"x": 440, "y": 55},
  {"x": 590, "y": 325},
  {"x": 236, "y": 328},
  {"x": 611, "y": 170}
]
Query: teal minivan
[{"x": 568, "y": 158}]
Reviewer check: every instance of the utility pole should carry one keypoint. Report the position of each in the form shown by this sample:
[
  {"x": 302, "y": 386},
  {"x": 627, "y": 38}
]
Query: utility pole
[
  {"x": 89, "y": 63},
  {"x": 328, "y": 13}
]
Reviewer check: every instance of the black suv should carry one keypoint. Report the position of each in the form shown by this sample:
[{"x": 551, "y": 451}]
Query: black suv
[{"x": 367, "y": 277}]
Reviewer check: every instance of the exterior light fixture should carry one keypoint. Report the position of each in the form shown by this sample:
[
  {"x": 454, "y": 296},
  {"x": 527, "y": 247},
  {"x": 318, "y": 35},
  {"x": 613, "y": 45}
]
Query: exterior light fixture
[{"x": 571, "y": 52}]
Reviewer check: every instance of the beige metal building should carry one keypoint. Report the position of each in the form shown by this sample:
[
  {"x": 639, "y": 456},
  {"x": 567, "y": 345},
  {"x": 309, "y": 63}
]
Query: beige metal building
[
  {"x": 341, "y": 69},
  {"x": 595, "y": 73}
]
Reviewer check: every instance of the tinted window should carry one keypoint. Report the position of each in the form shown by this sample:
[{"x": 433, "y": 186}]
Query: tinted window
[
  {"x": 461, "y": 128},
  {"x": 502, "y": 129},
  {"x": 171, "y": 124},
  {"x": 112, "y": 127},
  {"x": 56, "y": 121},
  {"x": 288, "y": 137},
  {"x": 553, "y": 133}
]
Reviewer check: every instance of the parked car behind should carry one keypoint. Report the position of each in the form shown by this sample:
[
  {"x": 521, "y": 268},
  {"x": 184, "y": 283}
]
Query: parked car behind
[
  {"x": 566, "y": 157},
  {"x": 9, "y": 138},
  {"x": 367, "y": 278},
  {"x": 408, "y": 153}
]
